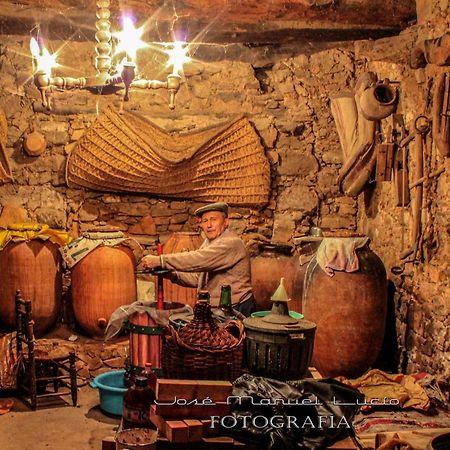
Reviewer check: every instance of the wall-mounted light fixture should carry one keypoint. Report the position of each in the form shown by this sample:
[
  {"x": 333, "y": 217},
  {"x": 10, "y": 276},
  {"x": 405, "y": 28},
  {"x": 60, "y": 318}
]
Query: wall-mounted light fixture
[{"x": 115, "y": 62}]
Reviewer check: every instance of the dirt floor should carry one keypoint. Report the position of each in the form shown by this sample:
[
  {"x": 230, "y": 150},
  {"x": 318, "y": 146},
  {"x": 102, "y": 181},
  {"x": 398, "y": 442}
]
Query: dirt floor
[
  {"x": 83, "y": 427},
  {"x": 57, "y": 428}
]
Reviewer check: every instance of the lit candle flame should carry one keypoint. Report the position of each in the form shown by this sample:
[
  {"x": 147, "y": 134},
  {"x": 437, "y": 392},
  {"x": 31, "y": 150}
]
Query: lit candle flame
[
  {"x": 34, "y": 47},
  {"x": 44, "y": 60},
  {"x": 130, "y": 39},
  {"x": 178, "y": 56}
]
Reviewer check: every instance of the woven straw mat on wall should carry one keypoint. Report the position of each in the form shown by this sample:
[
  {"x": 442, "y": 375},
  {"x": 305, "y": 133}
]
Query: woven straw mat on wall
[{"x": 127, "y": 153}]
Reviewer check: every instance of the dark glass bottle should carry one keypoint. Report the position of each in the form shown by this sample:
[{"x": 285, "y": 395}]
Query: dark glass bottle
[
  {"x": 225, "y": 301},
  {"x": 203, "y": 296},
  {"x": 151, "y": 376},
  {"x": 136, "y": 405}
]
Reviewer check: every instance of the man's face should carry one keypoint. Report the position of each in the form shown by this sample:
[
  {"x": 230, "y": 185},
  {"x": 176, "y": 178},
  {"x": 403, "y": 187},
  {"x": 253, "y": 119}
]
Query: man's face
[{"x": 213, "y": 224}]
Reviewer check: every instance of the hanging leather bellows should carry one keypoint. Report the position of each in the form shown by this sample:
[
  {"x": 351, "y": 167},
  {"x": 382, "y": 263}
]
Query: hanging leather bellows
[
  {"x": 378, "y": 101},
  {"x": 356, "y": 135}
]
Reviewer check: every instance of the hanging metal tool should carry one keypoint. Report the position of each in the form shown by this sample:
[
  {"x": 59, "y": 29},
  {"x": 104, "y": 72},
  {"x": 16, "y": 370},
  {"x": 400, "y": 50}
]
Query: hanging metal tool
[
  {"x": 422, "y": 126},
  {"x": 421, "y": 181},
  {"x": 385, "y": 156},
  {"x": 400, "y": 163},
  {"x": 401, "y": 181},
  {"x": 441, "y": 114}
]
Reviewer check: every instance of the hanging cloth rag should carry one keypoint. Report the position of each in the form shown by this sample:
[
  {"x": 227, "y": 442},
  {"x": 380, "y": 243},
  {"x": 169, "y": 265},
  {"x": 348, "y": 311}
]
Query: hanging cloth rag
[
  {"x": 123, "y": 313},
  {"x": 340, "y": 254}
]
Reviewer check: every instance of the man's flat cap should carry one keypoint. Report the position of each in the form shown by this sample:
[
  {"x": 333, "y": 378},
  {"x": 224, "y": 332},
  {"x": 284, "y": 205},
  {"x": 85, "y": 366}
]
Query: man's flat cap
[{"x": 219, "y": 206}]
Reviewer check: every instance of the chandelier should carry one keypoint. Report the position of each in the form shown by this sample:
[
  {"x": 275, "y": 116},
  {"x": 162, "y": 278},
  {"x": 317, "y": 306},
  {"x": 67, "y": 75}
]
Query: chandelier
[{"x": 112, "y": 74}]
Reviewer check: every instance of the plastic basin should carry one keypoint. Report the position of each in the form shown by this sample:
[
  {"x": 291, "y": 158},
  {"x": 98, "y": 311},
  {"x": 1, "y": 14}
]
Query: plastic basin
[
  {"x": 293, "y": 314},
  {"x": 111, "y": 389}
]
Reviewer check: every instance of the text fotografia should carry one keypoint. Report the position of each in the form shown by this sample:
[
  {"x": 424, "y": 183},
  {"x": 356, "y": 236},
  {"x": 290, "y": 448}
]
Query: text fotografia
[
  {"x": 279, "y": 401},
  {"x": 279, "y": 421}
]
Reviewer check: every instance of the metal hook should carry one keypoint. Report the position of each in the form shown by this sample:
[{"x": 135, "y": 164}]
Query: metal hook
[{"x": 422, "y": 124}]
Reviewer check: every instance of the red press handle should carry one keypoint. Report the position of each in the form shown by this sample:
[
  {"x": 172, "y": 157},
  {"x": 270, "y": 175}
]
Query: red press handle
[{"x": 160, "y": 301}]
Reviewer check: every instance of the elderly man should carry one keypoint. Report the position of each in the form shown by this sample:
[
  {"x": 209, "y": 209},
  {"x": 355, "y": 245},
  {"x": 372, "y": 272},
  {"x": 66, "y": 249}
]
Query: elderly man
[{"x": 222, "y": 259}]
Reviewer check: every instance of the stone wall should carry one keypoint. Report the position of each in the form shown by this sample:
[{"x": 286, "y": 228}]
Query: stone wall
[
  {"x": 421, "y": 294},
  {"x": 287, "y": 100}
]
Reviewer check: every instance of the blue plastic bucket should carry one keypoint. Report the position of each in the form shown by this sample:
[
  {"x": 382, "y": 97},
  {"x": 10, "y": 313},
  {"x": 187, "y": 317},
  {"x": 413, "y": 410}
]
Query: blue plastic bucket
[{"x": 111, "y": 389}]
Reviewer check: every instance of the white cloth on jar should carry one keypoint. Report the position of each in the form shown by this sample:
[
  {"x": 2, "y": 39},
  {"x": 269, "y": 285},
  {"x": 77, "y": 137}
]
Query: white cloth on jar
[{"x": 339, "y": 254}]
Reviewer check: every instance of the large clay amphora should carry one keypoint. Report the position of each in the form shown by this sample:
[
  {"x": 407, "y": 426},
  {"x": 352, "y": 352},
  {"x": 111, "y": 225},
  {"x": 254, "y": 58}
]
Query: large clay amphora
[
  {"x": 181, "y": 242},
  {"x": 349, "y": 309},
  {"x": 34, "y": 267},
  {"x": 275, "y": 261},
  {"x": 102, "y": 281}
]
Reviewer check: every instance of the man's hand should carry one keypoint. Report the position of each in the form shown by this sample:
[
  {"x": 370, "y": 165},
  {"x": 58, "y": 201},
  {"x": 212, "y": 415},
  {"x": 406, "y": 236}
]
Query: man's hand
[{"x": 150, "y": 262}]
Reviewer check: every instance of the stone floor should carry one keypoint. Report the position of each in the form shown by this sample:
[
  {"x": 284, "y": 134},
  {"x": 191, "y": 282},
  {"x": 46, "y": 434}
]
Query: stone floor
[{"x": 57, "y": 428}]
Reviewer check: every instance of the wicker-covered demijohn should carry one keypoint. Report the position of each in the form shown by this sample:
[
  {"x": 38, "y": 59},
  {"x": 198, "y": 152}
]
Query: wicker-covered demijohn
[
  {"x": 127, "y": 153},
  {"x": 203, "y": 350}
]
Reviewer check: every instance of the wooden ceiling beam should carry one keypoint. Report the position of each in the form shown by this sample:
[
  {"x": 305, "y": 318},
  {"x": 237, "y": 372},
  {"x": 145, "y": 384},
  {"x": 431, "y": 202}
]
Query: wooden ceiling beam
[{"x": 254, "y": 21}]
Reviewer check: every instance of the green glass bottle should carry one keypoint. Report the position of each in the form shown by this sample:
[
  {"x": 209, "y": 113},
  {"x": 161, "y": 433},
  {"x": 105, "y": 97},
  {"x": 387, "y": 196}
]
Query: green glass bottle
[{"x": 225, "y": 301}]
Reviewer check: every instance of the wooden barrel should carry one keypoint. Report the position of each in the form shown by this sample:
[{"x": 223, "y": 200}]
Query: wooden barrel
[
  {"x": 34, "y": 267},
  {"x": 350, "y": 312},
  {"x": 102, "y": 281},
  {"x": 181, "y": 242},
  {"x": 273, "y": 262}
]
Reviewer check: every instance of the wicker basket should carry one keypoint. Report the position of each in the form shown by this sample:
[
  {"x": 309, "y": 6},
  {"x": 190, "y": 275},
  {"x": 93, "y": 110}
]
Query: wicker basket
[
  {"x": 203, "y": 350},
  {"x": 124, "y": 152}
]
